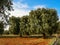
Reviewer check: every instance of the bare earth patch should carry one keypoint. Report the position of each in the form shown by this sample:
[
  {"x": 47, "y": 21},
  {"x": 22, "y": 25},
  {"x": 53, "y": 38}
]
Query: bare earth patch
[{"x": 24, "y": 41}]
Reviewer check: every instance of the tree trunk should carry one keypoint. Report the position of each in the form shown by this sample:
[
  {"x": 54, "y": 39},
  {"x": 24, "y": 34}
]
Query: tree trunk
[{"x": 44, "y": 36}]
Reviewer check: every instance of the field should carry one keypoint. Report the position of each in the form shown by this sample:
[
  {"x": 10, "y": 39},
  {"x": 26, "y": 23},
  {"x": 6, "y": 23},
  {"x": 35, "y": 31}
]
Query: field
[{"x": 25, "y": 41}]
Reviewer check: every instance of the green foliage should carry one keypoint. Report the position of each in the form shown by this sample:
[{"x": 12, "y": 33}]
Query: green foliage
[
  {"x": 14, "y": 25},
  {"x": 58, "y": 42},
  {"x": 24, "y": 25},
  {"x": 58, "y": 30},
  {"x": 1, "y": 28},
  {"x": 40, "y": 21},
  {"x": 35, "y": 20},
  {"x": 6, "y": 3},
  {"x": 5, "y": 6},
  {"x": 45, "y": 19},
  {"x": 6, "y": 32}
]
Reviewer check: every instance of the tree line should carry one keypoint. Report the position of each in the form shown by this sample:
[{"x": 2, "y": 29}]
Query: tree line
[{"x": 40, "y": 21}]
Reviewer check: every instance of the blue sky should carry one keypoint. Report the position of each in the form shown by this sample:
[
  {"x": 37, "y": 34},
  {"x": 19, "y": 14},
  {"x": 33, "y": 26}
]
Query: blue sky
[{"x": 23, "y": 7}]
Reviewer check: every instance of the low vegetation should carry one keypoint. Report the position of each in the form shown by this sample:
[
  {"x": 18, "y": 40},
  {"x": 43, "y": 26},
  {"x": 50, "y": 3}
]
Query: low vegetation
[{"x": 58, "y": 43}]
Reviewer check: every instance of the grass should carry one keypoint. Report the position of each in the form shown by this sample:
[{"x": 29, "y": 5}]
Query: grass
[
  {"x": 8, "y": 36},
  {"x": 52, "y": 41},
  {"x": 58, "y": 42}
]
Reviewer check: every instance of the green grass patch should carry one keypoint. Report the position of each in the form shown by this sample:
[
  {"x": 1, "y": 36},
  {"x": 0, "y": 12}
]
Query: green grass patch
[
  {"x": 9, "y": 36},
  {"x": 52, "y": 41}
]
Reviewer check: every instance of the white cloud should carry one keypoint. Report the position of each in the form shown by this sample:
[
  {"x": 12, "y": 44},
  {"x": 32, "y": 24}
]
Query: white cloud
[
  {"x": 59, "y": 18},
  {"x": 20, "y": 5},
  {"x": 39, "y": 6},
  {"x": 20, "y": 9},
  {"x": 19, "y": 13}
]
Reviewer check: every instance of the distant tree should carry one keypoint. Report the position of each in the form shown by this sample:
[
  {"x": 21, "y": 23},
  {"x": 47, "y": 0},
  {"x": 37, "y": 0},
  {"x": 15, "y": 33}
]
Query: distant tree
[
  {"x": 40, "y": 21},
  {"x": 24, "y": 25},
  {"x": 1, "y": 28},
  {"x": 14, "y": 25}
]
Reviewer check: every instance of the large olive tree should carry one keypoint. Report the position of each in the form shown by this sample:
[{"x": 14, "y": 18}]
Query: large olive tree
[{"x": 44, "y": 21}]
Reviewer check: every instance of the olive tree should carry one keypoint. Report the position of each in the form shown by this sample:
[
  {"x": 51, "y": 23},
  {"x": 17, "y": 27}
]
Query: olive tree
[{"x": 44, "y": 20}]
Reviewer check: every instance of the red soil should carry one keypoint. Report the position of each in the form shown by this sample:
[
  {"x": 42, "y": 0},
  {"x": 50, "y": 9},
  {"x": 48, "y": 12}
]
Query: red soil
[{"x": 24, "y": 41}]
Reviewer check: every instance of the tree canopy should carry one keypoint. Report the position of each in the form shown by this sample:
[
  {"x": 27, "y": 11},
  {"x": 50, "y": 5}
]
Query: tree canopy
[
  {"x": 40, "y": 21},
  {"x": 45, "y": 20},
  {"x": 14, "y": 25},
  {"x": 5, "y": 7}
]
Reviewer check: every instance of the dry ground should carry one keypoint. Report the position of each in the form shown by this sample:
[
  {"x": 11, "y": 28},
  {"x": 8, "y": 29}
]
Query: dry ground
[{"x": 24, "y": 41}]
